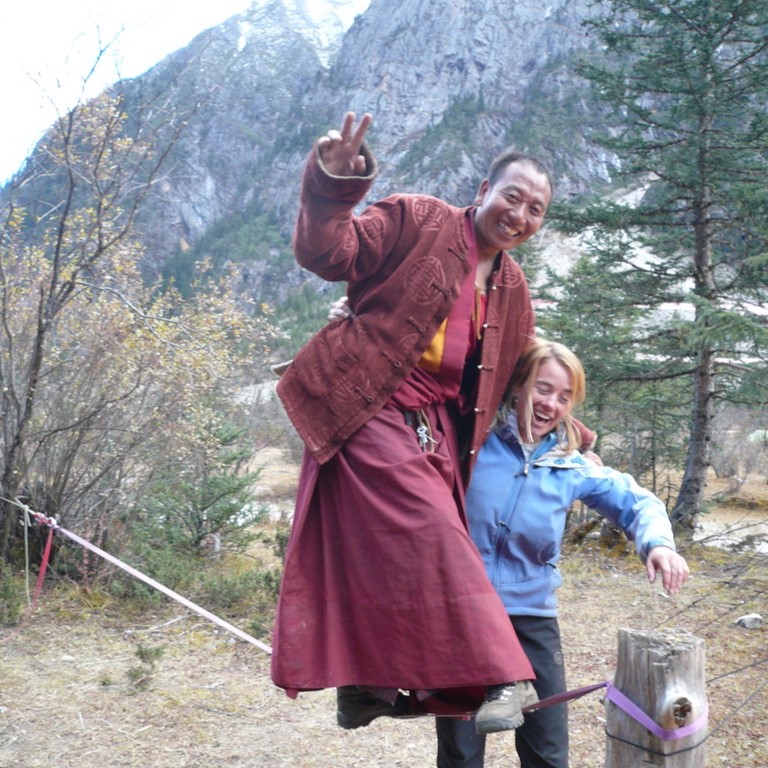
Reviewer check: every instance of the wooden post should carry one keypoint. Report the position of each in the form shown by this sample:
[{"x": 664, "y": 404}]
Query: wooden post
[{"x": 663, "y": 673}]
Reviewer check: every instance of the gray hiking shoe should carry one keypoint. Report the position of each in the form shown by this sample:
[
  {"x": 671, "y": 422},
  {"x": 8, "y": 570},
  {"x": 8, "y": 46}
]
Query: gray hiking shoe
[{"x": 503, "y": 705}]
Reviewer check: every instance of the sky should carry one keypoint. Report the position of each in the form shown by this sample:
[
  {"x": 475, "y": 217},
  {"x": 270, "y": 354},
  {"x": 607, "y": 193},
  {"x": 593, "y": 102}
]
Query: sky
[{"x": 47, "y": 48}]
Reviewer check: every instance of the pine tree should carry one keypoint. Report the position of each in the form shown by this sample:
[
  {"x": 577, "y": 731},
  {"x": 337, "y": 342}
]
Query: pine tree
[
  {"x": 635, "y": 411},
  {"x": 688, "y": 82}
]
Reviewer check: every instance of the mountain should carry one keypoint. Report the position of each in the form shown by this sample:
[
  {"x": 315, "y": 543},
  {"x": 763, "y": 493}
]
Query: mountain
[
  {"x": 452, "y": 82},
  {"x": 449, "y": 82}
]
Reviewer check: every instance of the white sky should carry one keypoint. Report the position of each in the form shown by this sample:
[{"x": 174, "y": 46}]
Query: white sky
[{"x": 47, "y": 47}]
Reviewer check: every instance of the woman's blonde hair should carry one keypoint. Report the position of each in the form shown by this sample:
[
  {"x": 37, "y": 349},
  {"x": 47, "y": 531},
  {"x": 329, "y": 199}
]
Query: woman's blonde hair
[{"x": 527, "y": 369}]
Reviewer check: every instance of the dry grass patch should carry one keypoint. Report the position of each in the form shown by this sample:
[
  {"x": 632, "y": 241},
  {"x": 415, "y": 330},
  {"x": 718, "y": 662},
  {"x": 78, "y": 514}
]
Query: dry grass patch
[{"x": 68, "y": 698}]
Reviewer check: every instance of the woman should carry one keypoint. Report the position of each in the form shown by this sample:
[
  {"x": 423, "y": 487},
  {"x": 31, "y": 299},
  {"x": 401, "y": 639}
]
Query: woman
[
  {"x": 383, "y": 589},
  {"x": 528, "y": 474}
]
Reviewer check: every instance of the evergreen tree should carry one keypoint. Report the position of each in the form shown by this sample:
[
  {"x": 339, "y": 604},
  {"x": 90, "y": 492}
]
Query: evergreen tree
[
  {"x": 689, "y": 81},
  {"x": 635, "y": 411}
]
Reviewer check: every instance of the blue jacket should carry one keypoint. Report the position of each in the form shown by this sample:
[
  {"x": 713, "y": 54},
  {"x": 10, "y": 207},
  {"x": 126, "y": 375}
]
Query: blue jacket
[{"x": 517, "y": 509}]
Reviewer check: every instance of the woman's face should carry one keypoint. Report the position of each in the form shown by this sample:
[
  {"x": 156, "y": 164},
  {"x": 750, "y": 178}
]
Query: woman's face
[{"x": 551, "y": 397}]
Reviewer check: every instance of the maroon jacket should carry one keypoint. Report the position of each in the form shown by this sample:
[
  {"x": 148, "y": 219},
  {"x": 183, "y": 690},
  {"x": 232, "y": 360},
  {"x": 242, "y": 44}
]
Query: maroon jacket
[{"x": 405, "y": 259}]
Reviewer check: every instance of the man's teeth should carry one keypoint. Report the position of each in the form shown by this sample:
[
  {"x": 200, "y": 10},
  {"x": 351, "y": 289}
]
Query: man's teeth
[{"x": 508, "y": 231}]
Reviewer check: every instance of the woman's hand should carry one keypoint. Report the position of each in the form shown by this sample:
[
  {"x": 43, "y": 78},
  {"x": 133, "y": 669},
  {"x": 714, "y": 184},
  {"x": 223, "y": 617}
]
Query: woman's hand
[
  {"x": 674, "y": 570},
  {"x": 340, "y": 150},
  {"x": 340, "y": 310}
]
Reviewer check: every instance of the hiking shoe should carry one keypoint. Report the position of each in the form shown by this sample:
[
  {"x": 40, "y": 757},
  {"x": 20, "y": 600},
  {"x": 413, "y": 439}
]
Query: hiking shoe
[
  {"x": 356, "y": 707},
  {"x": 503, "y": 705}
]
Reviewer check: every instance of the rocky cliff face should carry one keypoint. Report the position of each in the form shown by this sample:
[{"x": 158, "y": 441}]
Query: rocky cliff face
[
  {"x": 449, "y": 82},
  {"x": 411, "y": 65},
  {"x": 248, "y": 75}
]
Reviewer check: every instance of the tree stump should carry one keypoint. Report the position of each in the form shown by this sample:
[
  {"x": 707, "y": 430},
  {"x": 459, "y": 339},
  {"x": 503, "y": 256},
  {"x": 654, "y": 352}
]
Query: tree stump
[{"x": 663, "y": 673}]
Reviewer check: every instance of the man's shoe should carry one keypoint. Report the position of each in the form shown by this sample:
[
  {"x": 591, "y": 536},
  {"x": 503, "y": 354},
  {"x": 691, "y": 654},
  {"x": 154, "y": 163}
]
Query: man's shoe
[
  {"x": 503, "y": 705},
  {"x": 356, "y": 707}
]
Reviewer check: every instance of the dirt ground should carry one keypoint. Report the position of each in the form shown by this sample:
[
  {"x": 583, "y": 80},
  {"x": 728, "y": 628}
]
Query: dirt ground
[{"x": 69, "y": 697}]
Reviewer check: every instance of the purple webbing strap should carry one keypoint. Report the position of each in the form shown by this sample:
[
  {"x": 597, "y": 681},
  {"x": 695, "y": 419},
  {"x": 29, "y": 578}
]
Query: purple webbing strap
[
  {"x": 620, "y": 700},
  {"x": 614, "y": 695}
]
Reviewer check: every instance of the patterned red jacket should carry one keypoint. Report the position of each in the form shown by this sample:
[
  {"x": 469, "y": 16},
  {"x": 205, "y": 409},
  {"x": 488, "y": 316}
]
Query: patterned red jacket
[{"x": 405, "y": 259}]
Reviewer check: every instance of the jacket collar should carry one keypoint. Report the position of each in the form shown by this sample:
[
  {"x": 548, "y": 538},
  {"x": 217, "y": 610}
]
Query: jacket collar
[
  {"x": 548, "y": 452},
  {"x": 509, "y": 432}
]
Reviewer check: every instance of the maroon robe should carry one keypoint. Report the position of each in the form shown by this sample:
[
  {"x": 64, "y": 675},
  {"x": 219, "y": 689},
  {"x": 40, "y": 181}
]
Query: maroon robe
[{"x": 383, "y": 587}]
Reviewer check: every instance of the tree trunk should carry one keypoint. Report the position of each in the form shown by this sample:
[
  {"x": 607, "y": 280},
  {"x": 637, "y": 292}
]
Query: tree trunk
[{"x": 688, "y": 506}]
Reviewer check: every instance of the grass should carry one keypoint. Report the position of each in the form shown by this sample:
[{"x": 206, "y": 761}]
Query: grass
[{"x": 69, "y": 695}]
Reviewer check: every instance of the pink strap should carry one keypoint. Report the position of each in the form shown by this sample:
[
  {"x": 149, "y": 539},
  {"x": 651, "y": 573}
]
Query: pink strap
[{"x": 43, "y": 567}]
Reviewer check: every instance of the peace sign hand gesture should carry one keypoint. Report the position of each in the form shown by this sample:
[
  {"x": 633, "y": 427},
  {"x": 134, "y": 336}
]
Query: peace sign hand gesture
[{"x": 340, "y": 151}]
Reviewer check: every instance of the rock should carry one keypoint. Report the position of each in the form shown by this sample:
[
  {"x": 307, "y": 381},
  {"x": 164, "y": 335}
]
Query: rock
[{"x": 750, "y": 621}]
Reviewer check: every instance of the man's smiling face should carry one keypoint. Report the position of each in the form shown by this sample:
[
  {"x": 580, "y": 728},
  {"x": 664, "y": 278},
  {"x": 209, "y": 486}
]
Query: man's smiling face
[{"x": 512, "y": 210}]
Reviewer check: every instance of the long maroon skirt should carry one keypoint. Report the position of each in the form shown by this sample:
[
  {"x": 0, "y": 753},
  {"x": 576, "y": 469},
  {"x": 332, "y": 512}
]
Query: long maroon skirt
[{"x": 383, "y": 586}]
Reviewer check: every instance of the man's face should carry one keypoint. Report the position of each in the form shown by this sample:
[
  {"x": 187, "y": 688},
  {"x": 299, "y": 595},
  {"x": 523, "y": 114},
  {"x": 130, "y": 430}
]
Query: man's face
[{"x": 512, "y": 210}]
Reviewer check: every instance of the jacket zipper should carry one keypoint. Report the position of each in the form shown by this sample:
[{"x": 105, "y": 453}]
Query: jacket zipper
[{"x": 519, "y": 482}]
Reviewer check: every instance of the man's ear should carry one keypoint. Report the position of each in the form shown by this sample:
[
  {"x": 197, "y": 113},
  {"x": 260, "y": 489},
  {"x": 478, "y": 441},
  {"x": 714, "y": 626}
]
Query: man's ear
[{"x": 481, "y": 192}]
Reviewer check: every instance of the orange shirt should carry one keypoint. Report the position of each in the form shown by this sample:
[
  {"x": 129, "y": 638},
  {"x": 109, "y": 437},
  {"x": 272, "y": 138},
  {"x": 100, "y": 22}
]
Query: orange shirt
[{"x": 437, "y": 378}]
